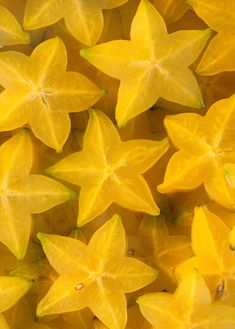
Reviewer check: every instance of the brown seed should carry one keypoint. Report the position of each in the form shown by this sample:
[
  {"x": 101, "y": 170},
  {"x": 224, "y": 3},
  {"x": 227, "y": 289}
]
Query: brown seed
[
  {"x": 220, "y": 290},
  {"x": 79, "y": 286},
  {"x": 130, "y": 252}
]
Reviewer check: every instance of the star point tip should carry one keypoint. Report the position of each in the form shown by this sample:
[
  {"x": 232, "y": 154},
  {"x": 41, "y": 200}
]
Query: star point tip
[{"x": 83, "y": 52}]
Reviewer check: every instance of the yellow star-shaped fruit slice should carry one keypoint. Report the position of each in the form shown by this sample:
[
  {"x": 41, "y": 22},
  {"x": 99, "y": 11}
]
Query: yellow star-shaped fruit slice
[
  {"x": 83, "y": 18},
  {"x": 39, "y": 92},
  {"x": 205, "y": 148},
  {"x": 214, "y": 258},
  {"x": 151, "y": 65},
  {"x": 161, "y": 249},
  {"x": 96, "y": 275},
  {"x": 11, "y": 290},
  {"x": 23, "y": 194},
  {"x": 11, "y": 32},
  {"x": 190, "y": 306},
  {"x": 220, "y": 54},
  {"x": 109, "y": 170}
]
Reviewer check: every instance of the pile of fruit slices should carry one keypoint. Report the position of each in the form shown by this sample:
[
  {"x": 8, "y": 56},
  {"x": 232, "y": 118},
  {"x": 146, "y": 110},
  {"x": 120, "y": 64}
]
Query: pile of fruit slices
[{"x": 117, "y": 164}]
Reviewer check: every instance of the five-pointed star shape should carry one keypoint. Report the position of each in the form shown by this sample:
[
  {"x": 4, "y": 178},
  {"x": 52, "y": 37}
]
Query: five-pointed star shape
[
  {"x": 83, "y": 18},
  {"x": 190, "y": 306},
  {"x": 153, "y": 64},
  {"x": 11, "y": 32},
  {"x": 160, "y": 248},
  {"x": 109, "y": 170},
  {"x": 96, "y": 275},
  {"x": 206, "y": 145},
  {"x": 213, "y": 257},
  {"x": 22, "y": 194},
  {"x": 220, "y": 16},
  {"x": 11, "y": 290},
  {"x": 39, "y": 91}
]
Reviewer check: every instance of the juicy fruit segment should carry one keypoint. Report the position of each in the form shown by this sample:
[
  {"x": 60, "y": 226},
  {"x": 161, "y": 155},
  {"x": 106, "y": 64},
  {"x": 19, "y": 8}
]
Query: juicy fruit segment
[
  {"x": 11, "y": 32},
  {"x": 213, "y": 258},
  {"x": 11, "y": 290},
  {"x": 171, "y": 269},
  {"x": 210, "y": 137},
  {"x": 40, "y": 92},
  {"x": 190, "y": 305},
  {"x": 159, "y": 248},
  {"x": 23, "y": 194},
  {"x": 171, "y": 10},
  {"x": 83, "y": 18},
  {"x": 95, "y": 275},
  {"x": 147, "y": 71},
  {"x": 219, "y": 55},
  {"x": 110, "y": 170}
]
